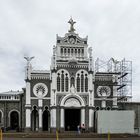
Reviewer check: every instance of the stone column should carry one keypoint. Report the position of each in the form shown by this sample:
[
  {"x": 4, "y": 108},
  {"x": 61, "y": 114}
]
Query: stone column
[
  {"x": 115, "y": 97},
  {"x": 40, "y": 119},
  {"x": 90, "y": 88},
  {"x": 53, "y": 119},
  {"x": 53, "y": 89},
  {"x": 103, "y": 103},
  {"x": 91, "y": 114},
  {"x": 83, "y": 116},
  {"x": 28, "y": 94},
  {"x": 28, "y": 107},
  {"x": 40, "y": 104},
  {"x": 28, "y": 119},
  {"x": 62, "y": 119}
]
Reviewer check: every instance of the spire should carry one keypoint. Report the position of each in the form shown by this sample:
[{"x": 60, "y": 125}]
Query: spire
[{"x": 71, "y": 22}]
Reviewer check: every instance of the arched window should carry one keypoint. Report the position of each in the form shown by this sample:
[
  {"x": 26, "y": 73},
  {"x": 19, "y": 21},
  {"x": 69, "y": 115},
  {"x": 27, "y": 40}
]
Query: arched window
[
  {"x": 86, "y": 83},
  {"x": 58, "y": 82},
  {"x": 82, "y": 82},
  {"x": 68, "y": 51},
  {"x": 65, "y": 51},
  {"x": 75, "y": 51},
  {"x": 62, "y": 81},
  {"x": 72, "y": 51},
  {"x": 61, "y": 50},
  {"x": 79, "y": 51},
  {"x": 78, "y": 83},
  {"x": 67, "y": 82},
  {"x": 72, "y": 81},
  {"x": 82, "y": 51}
]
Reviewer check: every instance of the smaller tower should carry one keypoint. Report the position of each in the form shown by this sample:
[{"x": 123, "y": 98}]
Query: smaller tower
[{"x": 28, "y": 93}]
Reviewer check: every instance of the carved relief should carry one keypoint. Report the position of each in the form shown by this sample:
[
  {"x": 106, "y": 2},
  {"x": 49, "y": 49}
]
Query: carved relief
[{"x": 72, "y": 102}]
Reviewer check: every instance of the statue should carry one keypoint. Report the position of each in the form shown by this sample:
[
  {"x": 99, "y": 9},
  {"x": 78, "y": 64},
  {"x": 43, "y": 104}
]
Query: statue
[
  {"x": 90, "y": 51},
  {"x": 90, "y": 59},
  {"x": 72, "y": 89},
  {"x": 28, "y": 59},
  {"x": 71, "y": 22},
  {"x": 54, "y": 50},
  {"x": 29, "y": 67},
  {"x": 115, "y": 62}
]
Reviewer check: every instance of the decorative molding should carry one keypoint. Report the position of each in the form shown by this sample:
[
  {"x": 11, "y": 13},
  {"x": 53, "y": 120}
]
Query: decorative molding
[
  {"x": 41, "y": 71},
  {"x": 103, "y": 78},
  {"x": 40, "y": 74},
  {"x": 100, "y": 99},
  {"x": 72, "y": 66},
  {"x": 44, "y": 98},
  {"x": 65, "y": 98},
  {"x": 65, "y": 40}
]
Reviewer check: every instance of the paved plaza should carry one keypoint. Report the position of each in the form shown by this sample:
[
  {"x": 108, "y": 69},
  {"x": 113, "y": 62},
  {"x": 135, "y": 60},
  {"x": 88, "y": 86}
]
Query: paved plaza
[{"x": 131, "y": 138}]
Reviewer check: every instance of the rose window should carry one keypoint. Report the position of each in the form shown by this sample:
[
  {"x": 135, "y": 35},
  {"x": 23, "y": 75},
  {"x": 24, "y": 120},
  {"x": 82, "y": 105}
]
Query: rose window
[
  {"x": 103, "y": 91},
  {"x": 40, "y": 90}
]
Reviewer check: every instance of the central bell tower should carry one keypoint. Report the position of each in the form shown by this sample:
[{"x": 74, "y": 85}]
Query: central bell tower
[{"x": 72, "y": 79}]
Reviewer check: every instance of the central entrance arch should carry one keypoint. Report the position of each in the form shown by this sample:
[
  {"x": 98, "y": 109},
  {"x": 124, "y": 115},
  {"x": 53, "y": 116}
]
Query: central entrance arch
[{"x": 72, "y": 112}]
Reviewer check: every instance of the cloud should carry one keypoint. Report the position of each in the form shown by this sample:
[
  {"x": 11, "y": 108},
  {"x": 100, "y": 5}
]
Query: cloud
[{"x": 30, "y": 28}]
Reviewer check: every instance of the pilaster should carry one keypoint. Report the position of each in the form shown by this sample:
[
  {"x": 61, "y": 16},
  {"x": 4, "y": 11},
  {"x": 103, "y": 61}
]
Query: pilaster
[
  {"x": 53, "y": 119},
  {"x": 91, "y": 119}
]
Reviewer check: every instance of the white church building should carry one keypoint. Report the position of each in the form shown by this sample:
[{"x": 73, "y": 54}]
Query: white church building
[{"x": 67, "y": 95}]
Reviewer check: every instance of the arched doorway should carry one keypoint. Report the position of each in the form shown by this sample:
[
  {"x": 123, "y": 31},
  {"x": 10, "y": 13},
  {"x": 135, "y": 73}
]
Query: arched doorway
[
  {"x": 14, "y": 120},
  {"x": 45, "y": 119},
  {"x": 72, "y": 112},
  {"x": 35, "y": 120}
]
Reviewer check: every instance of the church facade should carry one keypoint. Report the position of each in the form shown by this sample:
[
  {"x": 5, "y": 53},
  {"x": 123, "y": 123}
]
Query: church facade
[{"x": 67, "y": 95}]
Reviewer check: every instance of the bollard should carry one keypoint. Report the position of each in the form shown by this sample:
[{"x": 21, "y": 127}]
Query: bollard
[
  {"x": 108, "y": 135},
  {"x": 0, "y": 134},
  {"x": 57, "y": 135}
]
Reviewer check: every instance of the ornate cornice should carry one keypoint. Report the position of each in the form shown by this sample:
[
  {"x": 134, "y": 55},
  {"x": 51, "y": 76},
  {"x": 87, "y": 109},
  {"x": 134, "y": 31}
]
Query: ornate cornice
[
  {"x": 40, "y": 76},
  {"x": 59, "y": 65}
]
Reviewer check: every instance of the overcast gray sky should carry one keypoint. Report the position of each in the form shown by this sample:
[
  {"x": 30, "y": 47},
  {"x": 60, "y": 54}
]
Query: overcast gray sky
[{"x": 29, "y": 27}]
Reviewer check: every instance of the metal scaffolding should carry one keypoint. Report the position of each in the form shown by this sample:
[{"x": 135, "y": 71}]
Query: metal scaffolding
[{"x": 122, "y": 71}]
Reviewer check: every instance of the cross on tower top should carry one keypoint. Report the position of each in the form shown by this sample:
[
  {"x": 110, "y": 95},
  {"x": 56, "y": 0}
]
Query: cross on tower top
[{"x": 71, "y": 22}]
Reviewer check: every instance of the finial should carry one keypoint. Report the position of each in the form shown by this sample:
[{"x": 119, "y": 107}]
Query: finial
[{"x": 71, "y": 22}]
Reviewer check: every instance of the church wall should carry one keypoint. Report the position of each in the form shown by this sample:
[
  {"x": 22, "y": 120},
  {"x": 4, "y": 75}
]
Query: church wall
[
  {"x": 46, "y": 102},
  {"x": 22, "y": 102},
  {"x": 7, "y": 107}
]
